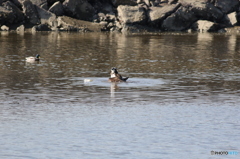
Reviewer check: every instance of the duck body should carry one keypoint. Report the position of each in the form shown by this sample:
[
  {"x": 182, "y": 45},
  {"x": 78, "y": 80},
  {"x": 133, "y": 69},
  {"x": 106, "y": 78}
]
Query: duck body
[
  {"x": 116, "y": 77},
  {"x": 32, "y": 59}
]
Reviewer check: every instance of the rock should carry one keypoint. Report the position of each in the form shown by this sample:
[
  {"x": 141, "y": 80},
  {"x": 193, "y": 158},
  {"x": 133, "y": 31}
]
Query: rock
[
  {"x": 181, "y": 20},
  {"x": 191, "y": 11},
  {"x": 5, "y": 16},
  {"x": 203, "y": 10},
  {"x": 101, "y": 17},
  {"x": 129, "y": 28},
  {"x": 30, "y": 12},
  {"x": 107, "y": 8},
  {"x": 79, "y": 9},
  {"x": 41, "y": 27},
  {"x": 4, "y": 28},
  {"x": 204, "y": 25},
  {"x": 17, "y": 3},
  {"x": 116, "y": 3},
  {"x": 238, "y": 17},
  {"x": 69, "y": 24},
  {"x": 227, "y": 6},
  {"x": 57, "y": 9},
  {"x": 46, "y": 17},
  {"x": 207, "y": 26},
  {"x": 21, "y": 28},
  {"x": 158, "y": 14},
  {"x": 19, "y": 17},
  {"x": 44, "y": 6},
  {"x": 151, "y": 3},
  {"x": 233, "y": 18},
  {"x": 10, "y": 14},
  {"x": 131, "y": 15}
]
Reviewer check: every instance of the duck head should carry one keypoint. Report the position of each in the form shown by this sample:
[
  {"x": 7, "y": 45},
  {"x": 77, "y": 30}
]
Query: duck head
[
  {"x": 113, "y": 72},
  {"x": 37, "y": 56}
]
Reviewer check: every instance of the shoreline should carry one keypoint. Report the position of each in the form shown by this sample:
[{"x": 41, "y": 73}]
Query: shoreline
[{"x": 132, "y": 16}]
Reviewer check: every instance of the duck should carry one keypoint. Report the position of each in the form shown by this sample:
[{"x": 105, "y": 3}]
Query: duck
[
  {"x": 33, "y": 59},
  {"x": 116, "y": 77}
]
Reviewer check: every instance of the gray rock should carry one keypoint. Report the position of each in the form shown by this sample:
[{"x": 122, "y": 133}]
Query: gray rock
[
  {"x": 238, "y": 17},
  {"x": 106, "y": 8},
  {"x": 41, "y": 27},
  {"x": 44, "y": 6},
  {"x": 131, "y": 15},
  {"x": 158, "y": 14},
  {"x": 203, "y": 10},
  {"x": 17, "y": 13},
  {"x": 57, "y": 9},
  {"x": 227, "y": 6},
  {"x": 5, "y": 15},
  {"x": 233, "y": 18},
  {"x": 207, "y": 26},
  {"x": 21, "y": 28},
  {"x": 4, "y": 28},
  {"x": 101, "y": 17},
  {"x": 10, "y": 14},
  {"x": 79, "y": 9},
  {"x": 46, "y": 17},
  {"x": 69, "y": 24},
  {"x": 204, "y": 25},
  {"x": 30, "y": 12},
  {"x": 17, "y": 3},
  {"x": 181, "y": 20}
]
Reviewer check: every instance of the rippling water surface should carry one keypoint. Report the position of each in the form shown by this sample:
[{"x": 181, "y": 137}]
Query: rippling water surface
[{"x": 181, "y": 100}]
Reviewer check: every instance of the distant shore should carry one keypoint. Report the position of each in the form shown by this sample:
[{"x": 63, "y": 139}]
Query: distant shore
[{"x": 133, "y": 16}]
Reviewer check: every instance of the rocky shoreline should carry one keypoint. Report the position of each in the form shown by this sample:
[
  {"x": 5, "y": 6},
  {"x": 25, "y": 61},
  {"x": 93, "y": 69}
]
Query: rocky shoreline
[{"x": 120, "y": 15}]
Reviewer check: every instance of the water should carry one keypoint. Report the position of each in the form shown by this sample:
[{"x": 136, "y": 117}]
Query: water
[{"x": 181, "y": 100}]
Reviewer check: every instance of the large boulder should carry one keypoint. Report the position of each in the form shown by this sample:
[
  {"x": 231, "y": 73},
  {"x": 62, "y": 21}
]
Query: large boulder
[
  {"x": 21, "y": 28},
  {"x": 17, "y": 3},
  {"x": 233, "y": 18},
  {"x": 69, "y": 24},
  {"x": 57, "y": 9},
  {"x": 5, "y": 15},
  {"x": 181, "y": 20},
  {"x": 203, "y": 10},
  {"x": 102, "y": 6},
  {"x": 19, "y": 16},
  {"x": 158, "y": 14},
  {"x": 30, "y": 12},
  {"x": 10, "y": 14},
  {"x": 41, "y": 27},
  {"x": 46, "y": 17},
  {"x": 227, "y": 6},
  {"x": 131, "y": 14},
  {"x": 80, "y": 9},
  {"x": 207, "y": 26},
  {"x": 193, "y": 10}
]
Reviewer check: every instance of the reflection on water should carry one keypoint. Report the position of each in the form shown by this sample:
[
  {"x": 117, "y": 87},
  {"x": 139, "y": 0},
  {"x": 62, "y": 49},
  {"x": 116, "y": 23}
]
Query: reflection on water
[{"x": 179, "y": 85}]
